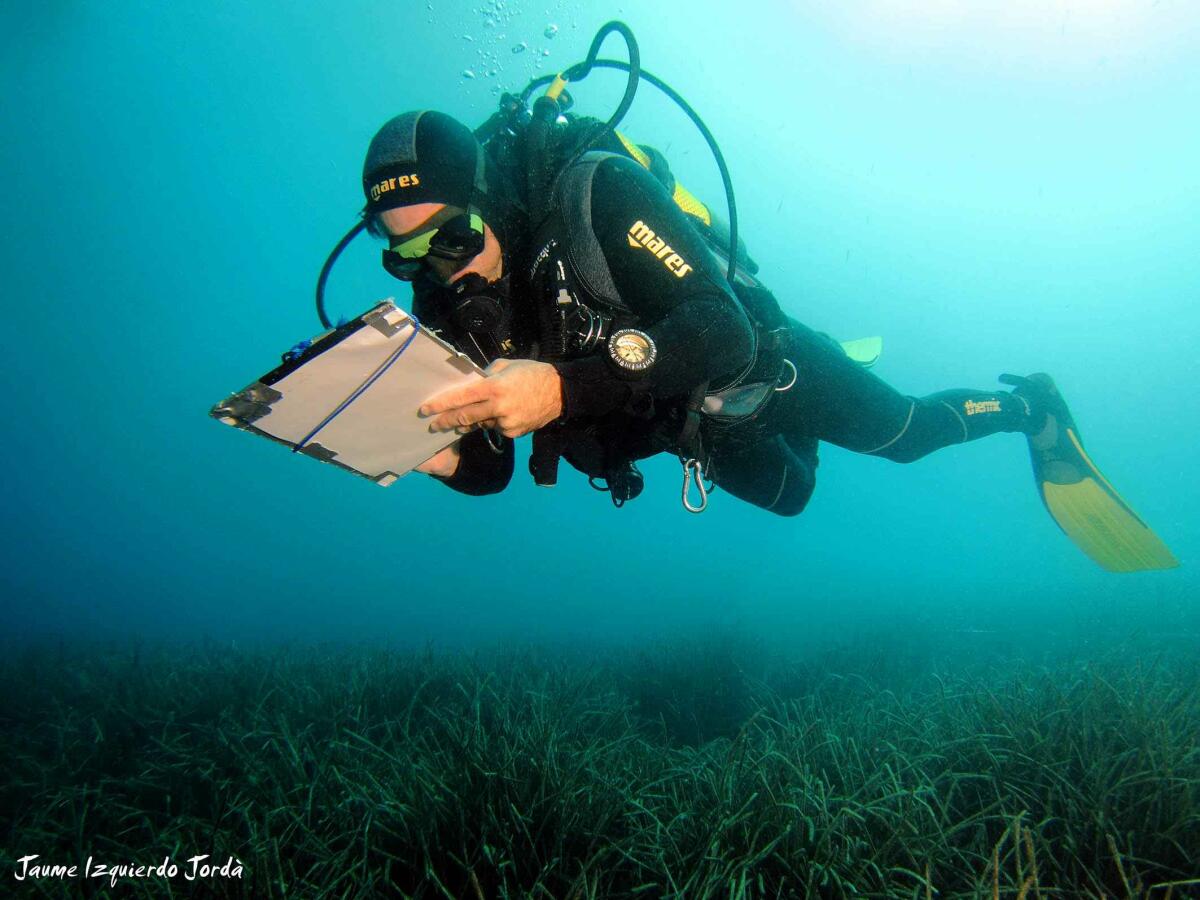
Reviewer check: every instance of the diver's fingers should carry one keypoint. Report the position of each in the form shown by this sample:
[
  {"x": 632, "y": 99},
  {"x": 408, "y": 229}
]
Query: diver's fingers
[
  {"x": 465, "y": 417},
  {"x": 478, "y": 392}
]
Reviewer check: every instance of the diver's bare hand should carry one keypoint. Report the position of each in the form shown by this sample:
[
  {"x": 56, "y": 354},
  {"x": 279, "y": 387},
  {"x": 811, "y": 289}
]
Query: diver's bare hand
[
  {"x": 517, "y": 397},
  {"x": 444, "y": 463}
]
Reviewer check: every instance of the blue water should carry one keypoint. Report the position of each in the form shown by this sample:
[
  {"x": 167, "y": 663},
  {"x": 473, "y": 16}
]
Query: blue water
[{"x": 990, "y": 186}]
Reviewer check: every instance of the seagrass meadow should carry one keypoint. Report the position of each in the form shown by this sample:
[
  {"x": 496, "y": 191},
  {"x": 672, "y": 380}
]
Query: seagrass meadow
[{"x": 716, "y": 766}]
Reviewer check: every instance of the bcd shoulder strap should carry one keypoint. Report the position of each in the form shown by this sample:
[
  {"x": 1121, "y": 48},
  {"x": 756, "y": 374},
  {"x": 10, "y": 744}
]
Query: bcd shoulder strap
[{"x": 573, "y": 201}]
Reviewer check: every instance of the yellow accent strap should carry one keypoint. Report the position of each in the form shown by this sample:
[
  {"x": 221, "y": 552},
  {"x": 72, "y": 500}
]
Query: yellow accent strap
[
  {"x": 687, "y": 201},
  {"x": 557, "y": 86},
  {"x": 634, "y": 150},
  {"x": 684, "y": 199}
]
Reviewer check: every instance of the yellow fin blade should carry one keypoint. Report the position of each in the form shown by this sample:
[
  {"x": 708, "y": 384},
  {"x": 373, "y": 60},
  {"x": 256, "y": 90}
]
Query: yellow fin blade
[{"x": 1105, "y": 528}]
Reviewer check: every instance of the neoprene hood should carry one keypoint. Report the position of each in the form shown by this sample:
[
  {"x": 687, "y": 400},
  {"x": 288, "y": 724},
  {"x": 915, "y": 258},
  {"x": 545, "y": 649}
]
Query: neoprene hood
[{"x": 422, "y": 157}]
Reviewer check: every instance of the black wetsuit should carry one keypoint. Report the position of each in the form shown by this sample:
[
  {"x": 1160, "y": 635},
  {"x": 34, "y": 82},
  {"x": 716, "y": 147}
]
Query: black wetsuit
[{"x": 666, "y": 283}]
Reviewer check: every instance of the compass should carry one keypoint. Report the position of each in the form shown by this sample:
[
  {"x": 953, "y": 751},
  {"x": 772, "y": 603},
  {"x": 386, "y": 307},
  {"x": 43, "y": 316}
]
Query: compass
[{"x": 632, "y": 350}]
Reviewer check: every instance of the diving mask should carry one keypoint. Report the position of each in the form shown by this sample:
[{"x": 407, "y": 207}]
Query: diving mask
[{"x": 458, "y": 237}]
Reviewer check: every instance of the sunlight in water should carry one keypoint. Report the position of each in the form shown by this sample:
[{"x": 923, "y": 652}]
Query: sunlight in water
[{"x": 1025, "y": 38}]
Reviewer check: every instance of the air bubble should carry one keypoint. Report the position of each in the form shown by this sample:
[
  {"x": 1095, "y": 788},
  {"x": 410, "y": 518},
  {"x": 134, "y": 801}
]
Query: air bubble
[
  {"x": 467, "y": 73},
  {"x": 551, "y": 30},
  {"x": 521, "y": 47}
]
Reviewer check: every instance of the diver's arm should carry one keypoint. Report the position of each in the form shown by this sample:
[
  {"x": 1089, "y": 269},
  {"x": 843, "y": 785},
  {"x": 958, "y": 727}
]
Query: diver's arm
[
  {"x": 444, "y": 463},
  {"x": 481, "y": 470},
  {"x": 671, "y": 283}
]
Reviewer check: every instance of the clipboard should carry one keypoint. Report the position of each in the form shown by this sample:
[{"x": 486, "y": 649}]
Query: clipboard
[{"x": 351, "y": 397}]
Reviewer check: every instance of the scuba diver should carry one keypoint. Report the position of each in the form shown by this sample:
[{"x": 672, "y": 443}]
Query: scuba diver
[{"x": 607, "y": 307}]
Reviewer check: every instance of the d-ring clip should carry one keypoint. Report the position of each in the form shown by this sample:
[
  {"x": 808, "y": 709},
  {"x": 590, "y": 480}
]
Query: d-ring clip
[
  {"x": 693, "y": 471},
  {"x": 788, "y": 386},
  {"x": 494, "y": 441}
]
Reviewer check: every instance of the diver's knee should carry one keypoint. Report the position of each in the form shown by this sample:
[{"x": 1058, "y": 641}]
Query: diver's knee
[
  {"x": 793, "y": 498},
  {"x": 790, "y": 509},
  {"x": 900, "y": 453}
]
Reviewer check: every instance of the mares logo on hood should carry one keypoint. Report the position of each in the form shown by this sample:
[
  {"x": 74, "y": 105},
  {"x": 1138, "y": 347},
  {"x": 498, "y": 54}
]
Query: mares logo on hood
[
  {"x": 390, "y": 184},
  {"x": 640, "y": 235}
]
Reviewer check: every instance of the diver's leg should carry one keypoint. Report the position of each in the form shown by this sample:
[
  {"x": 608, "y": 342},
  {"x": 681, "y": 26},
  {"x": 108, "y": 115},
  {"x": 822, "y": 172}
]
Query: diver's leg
[
  {"x": 768, "y": 474},
  {"x": 838, "y": 401}
]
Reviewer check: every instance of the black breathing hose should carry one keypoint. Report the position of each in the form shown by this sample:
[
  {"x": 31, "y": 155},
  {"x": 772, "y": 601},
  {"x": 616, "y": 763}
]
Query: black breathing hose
[
  {"x": 546, "y": 109},
  {"x": 637, "y": 73},
  {"x": 579, "y": 71},
  {"x": 329, "y": 261}
]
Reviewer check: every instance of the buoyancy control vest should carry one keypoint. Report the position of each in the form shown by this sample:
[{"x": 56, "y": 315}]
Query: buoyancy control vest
[{"x": 579, "y": 307}]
